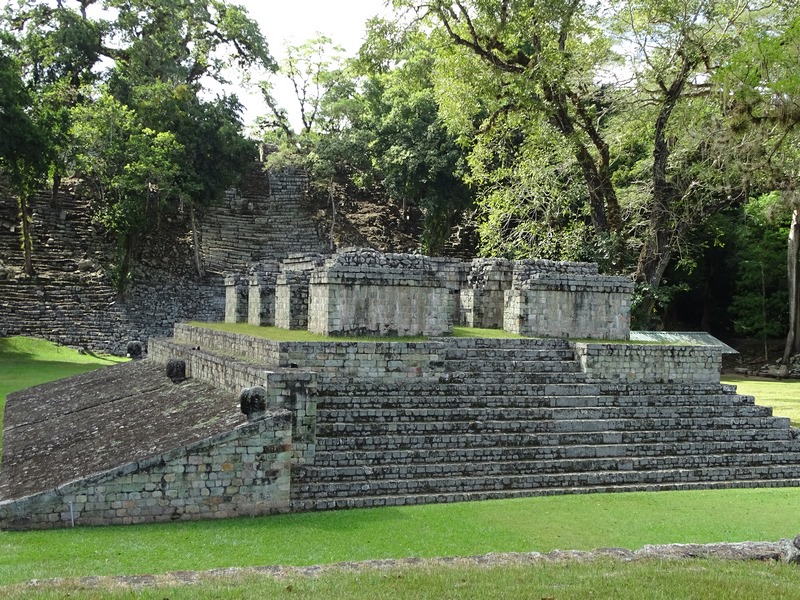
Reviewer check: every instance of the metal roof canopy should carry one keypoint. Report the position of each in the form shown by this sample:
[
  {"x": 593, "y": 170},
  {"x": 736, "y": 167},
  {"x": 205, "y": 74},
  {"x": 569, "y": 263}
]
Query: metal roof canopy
[{"x": 692, "y": 338}]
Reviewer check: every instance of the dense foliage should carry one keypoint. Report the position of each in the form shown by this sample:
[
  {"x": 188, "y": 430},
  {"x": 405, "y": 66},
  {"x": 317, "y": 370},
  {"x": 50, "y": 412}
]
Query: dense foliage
[{"x": 116, "y": 93}]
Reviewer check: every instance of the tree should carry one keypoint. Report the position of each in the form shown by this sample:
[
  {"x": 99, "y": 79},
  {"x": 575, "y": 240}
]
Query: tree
[
  {"x": 524, "y": 71},
  {"x": 762, "y": 97},
  {"x": 157, "y": 59},
  {"x": 24, "y": 145}
]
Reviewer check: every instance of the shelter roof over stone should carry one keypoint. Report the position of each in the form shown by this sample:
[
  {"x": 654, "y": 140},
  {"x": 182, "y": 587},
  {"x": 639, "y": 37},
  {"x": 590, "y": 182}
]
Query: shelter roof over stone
[{"x": 90, "y": 423}]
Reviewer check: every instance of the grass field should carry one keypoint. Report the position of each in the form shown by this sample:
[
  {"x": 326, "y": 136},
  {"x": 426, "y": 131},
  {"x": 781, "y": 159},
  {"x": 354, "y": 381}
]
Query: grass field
[
  {"x": 640, "y": 580},
  {"x": 782, "y": 396},
  {"x": 25, "y": 362},
  {"x": 521, "y": 525}
]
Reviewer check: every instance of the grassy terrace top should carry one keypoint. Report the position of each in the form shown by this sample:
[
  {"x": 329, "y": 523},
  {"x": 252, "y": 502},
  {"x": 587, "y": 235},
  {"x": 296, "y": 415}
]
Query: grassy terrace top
[{"x": 277, "y": 334}]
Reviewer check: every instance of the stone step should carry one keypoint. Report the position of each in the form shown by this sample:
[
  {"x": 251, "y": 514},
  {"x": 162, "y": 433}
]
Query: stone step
[
  {"x": 321, "y": 474},
  {"x": 445, "y": 485},
  {"x": 504, "y": 354},
  {"x": 345, "y": 458},
  {"x": 447, "y": 428},
  {"x": 460, "y": 343},
  {"x": 486, "y": 367},
  {"x": 519, "y": 398},
  {"x": 504, "y": 413},
  {"x": 434, "y": 441},
  {"x": 328, "y": 503},
  {"x": 548, "y": 385}
]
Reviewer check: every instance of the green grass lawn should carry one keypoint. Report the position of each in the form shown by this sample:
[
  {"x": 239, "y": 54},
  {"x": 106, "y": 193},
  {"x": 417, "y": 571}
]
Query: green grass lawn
[
  {"x": 603, "y": 579},
  {"x": 782, "y": 396},
  {"x": 521, "y": 525},
  {"x": 25, "y": 362}
]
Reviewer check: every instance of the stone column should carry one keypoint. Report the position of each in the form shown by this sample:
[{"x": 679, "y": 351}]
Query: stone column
[{"x": 235, "y": 299}]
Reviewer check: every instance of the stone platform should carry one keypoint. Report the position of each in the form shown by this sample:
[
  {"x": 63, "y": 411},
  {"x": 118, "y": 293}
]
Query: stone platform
[{"x": 358, "y": 424}]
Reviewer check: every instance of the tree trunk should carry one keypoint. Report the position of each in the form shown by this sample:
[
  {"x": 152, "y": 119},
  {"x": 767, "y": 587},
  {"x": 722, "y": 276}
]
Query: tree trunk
[
  {"x": 27, "y": 240},
  {"x": 333, "y": 214},
  {"x": 793, "y": 265},
  {"x": 198, "y": 260}
]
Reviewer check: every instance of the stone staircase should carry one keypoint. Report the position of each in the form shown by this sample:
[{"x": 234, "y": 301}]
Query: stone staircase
[
  {"x": 264, "y": 220},
  {"x": 519, "y": 418}
]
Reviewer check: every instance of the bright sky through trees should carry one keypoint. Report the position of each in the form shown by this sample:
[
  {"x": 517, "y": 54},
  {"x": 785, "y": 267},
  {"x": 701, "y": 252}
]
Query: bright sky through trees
[{"x": 296, "y": 21}]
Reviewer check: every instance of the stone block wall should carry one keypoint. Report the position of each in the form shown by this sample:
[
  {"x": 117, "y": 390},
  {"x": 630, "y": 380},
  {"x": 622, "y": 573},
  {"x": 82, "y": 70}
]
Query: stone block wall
[
  {"x": 292, "y": 389},
  {"x": 567, "y": 300},
  {"x": 363, "y": 292},
  {"x": 353, "y": 359},
  {"x": 242, "y": 472},
  {"x": 637, "y": 363}
]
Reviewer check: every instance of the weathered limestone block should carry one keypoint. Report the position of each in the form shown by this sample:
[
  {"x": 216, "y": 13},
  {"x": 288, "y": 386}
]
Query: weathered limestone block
[
  {"x": 567, "y": 300},
  {"x": 363, "y": 292},
  {"x": 236, "y": 292}
]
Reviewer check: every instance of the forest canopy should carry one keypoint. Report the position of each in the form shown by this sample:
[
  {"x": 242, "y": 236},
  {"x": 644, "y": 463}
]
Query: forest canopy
[{"x": 657, "y": 138}]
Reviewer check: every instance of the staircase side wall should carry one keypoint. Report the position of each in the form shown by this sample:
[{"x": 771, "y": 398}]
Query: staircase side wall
[{"x": 242, "y": 472}]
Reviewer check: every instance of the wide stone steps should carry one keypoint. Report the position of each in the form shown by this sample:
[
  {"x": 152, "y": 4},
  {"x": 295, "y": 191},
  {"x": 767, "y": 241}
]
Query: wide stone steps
[
  {"x": 329, "y": 503},
  {"x": 353, "y": 390},
  {"x": 614, "y": 477},
  {"x": 390, "y": 443},
  {"x": 370, "y": 473},
  {"x": 351, "y": 458},
  {"x": 520, "y": 400},
  {"x": 556, "y": 354},
  {"x": 488, "y": 368},
  {"x": 505, "y": 413},
  {"x": 548, "y": 426}
]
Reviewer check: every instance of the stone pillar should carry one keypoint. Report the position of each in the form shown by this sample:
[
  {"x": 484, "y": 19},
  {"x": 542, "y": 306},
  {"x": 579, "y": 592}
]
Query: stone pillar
[
  {"x": 291, "y": 300},
  {"x": 261, "y": 297},
  {"x": 235, "y": 299},
  {"x": 482, "y": 301}
]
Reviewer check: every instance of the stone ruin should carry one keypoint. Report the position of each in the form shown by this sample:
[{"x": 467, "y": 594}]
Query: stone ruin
[
  {"x": 215, "y": 424},
  {"x": 362, "y": 292}
]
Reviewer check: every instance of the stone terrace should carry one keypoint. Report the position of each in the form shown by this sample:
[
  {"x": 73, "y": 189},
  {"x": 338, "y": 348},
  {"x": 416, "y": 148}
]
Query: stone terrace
[{"x": 358, "y": 424}]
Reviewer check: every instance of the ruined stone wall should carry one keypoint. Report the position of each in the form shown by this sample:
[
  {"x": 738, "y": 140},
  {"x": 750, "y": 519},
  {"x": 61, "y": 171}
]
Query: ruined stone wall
[
  {"x": 567, "y": 300},
  {"x": 242, "y": 472},
  {"x": 358, "y": 359},
  {"x": 637, "y": 363},
  {"x": 363, "y": 292}
]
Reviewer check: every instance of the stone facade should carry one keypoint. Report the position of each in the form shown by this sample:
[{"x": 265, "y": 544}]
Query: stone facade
[
  {"x": 363, "y": 292},
  {"x": 567, "y": 300},
  {"x": 650, "y": 363}
]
